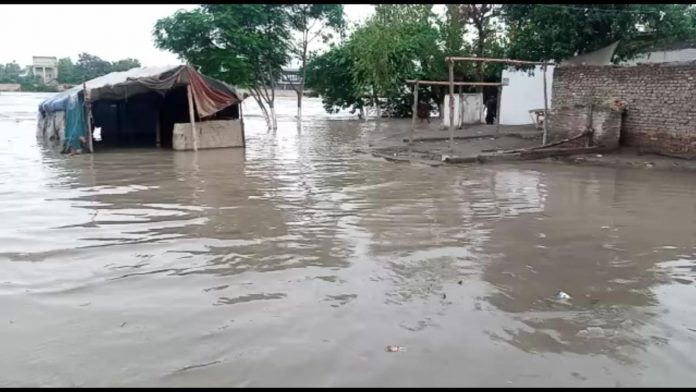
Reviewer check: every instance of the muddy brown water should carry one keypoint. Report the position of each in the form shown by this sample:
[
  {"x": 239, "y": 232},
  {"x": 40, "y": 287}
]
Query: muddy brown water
[{"x": 296, "y": 261}]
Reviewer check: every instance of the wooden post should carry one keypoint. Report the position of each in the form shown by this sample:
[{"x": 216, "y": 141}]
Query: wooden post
[
  {"x": 460, "y": 94},
  {"x": 497, "y": 109},
  {"x": 241, "y": 122},
  {"x": 158, "y": 127},
  {"x": 415, "y": 111},
  {"x": 546, "y": 108},
  {"x": 88, "y": 115},
  {"x": 451, "y": 104},
  {"x": 192, "y": 116}
]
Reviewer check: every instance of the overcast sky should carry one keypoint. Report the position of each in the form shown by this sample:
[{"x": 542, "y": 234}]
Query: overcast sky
[{"x": 111, "y": 32}]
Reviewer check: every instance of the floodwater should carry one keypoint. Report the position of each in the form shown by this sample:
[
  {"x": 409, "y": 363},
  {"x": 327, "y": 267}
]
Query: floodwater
[{"x": 296, "y": 261}]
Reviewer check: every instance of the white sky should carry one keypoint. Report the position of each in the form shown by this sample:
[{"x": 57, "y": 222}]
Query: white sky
[{"x": 111, "y": 31}]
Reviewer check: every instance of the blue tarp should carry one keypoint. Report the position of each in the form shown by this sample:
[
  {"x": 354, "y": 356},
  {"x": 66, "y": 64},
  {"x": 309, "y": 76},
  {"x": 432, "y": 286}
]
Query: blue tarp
[
  {"x": 59, "y": 102},
  {"x": 74, "y": 122}
]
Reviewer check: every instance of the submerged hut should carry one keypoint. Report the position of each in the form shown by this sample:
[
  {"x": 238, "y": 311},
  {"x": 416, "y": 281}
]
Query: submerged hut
[{"x": 170, "y": 107}]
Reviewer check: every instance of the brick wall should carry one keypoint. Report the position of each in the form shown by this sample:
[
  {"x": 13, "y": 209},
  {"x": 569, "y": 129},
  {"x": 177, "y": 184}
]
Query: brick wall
[
  {"x": 565, "y": 122},
  {"x": 660, "y": 98}
]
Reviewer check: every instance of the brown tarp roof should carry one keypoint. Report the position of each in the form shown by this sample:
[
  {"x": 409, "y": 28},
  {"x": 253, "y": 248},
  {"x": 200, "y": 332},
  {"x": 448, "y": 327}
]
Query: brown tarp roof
[{"x": 209, "y": 95}]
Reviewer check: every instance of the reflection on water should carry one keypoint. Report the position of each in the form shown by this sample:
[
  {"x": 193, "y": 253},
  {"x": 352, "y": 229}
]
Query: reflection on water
[{"x": 295, "y": 261}]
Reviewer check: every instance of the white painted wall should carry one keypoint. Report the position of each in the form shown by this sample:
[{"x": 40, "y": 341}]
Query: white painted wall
[
  {"x": 472, "y": 108},
  {"x": 523, "y": 94},
  {"x": 665, "y": 56},
  {"x": 446, "y": 113},
  {"x": 211, "y": 134}
]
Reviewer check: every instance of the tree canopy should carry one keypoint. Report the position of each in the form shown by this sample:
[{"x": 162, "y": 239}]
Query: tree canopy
[
  {"x": 89, "y": 66},
  {"x": 247, "y": 44},
  {"x": 557, "y": 31},
  {"x": 243, "y": 44},
  {"x": 311, "y": 21}
]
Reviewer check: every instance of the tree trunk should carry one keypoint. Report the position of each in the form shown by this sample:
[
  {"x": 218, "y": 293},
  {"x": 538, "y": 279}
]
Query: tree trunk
[
  {"x": 264, "y": 110},
  {"x": 271, "y": 103},
  {"x": 274, "y": 121},
  {"x": 299, "y": 104},
  {"x": 266, "y": 116}
]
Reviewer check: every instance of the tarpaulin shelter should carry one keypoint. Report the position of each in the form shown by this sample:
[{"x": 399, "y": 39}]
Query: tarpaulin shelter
[{"x": 137, "y": 102}]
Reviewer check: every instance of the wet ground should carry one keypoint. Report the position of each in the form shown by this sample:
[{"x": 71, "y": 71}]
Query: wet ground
[{"x": 296, "y": 261}]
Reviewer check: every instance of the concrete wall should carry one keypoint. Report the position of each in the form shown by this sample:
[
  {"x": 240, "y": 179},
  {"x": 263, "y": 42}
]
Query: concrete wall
[
  {"x": 661, "y": 103},
  {"x": 664, "y": 56},
  {"x": 10, "y": 87},
  {"x": 211, "y": 134},
  {"x": 523, "y": 94}
]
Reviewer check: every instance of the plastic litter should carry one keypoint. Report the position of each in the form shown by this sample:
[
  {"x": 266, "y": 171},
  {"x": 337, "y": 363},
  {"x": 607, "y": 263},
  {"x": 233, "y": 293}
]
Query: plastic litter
[
  {"x": 563, "y": 296},
  {"x": 592, "y": 332},
  {"x": 394, "y": 349}
]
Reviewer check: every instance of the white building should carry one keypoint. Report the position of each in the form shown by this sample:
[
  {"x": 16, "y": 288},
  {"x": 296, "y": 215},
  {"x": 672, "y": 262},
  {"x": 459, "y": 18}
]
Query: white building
[
  {"x": 524, "y": 92},
  {"x": 46, "y": 67}
]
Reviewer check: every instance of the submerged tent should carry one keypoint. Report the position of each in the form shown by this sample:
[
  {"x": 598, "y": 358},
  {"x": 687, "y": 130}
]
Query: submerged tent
[{"x": 209, "y": 96}]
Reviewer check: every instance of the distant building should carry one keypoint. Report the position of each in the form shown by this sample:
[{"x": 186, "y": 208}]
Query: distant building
[
  {"x": 289, "y": 77},
  {"x": 45, "y": 67}
]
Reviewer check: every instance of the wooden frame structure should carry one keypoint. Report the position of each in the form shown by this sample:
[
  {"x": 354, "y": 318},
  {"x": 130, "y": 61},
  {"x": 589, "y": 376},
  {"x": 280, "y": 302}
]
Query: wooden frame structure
[
  {"x": 543, "y": 64},
  {"x": 417, "y": 83},
  {"x": 451, "y": 83}
]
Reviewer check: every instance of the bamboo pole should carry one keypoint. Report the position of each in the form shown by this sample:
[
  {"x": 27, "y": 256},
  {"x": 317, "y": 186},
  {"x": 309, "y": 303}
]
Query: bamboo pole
[
  {"x": 415, "y": 112},
  {"x": 495, "y": 60},
  {"x": 546, "y": 108},
  {"x": 444, "y": 83},
  {"x": 451, "y": 104},
  {"x": 192, "y": 116},
  {"x": 241, "y": 123},
  {"x": 88, "y": 117},
  {"x": 497, "y": 109}
]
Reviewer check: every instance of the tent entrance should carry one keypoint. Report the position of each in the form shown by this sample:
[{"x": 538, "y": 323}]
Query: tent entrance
[{"x": 143, "y": 120}]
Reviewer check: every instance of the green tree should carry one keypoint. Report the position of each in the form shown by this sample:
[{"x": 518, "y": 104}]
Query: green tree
[
  {"x": 67, "y": 74},
  {"x": 90, "y": 66},
  {"x": 331, "y": 76},
  {"x": 124, "y": 65},
  {"x": 396, "y": 44},
  {"x": 10, "y": 73},
  {"x": 243, "y": 44},
  {"x": 311, "y": 21},
  {"x": 542, "y": 32},
  {"x": 481, "y": 17}
]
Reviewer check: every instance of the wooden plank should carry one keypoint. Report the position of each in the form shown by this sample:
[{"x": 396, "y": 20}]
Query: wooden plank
[
  {"x": 241, "y": 123},
  {"x": 451, "y": 104},
  {"x": 88, "y": 117},
  {"x": 415, "y": 112},
  {"x": 546, "y": 109},
  {"x": 495, "y": 60},
  {"x": 446, "y": 83},
  {"x": 497, "y": 113},
  {"x": 192, "y": 116}
]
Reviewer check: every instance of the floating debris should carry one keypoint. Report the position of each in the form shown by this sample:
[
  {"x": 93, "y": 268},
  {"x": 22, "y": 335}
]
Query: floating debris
[
  {"x": 592, "y": 332},
  {"x": 563, "y": 296},
  {"x": 394, "y": 349}
]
